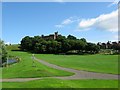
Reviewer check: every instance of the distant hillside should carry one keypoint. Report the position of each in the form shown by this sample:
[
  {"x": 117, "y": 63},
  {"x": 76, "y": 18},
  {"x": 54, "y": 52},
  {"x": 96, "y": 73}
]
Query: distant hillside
[{"x": 13, "y": 47}]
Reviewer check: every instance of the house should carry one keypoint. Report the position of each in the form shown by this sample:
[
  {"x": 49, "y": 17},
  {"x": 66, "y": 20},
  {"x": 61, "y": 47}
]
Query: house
[{"x": 51, "y": 36}]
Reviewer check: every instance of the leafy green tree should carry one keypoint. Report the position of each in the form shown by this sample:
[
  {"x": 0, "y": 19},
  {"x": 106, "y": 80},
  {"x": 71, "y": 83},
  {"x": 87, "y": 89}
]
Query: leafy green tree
[
  {"x": 39, "y": 48},
  {"x": 26, "y": 44},
  {"x": 80, "y": 45},
  {"x": 3, "y": 52},
  {"x": 66, "y": 46},
  {"x": 61, "y": 44},
  {"x": 61, "y": 38},
  {"x": 72, "y": 43},
  {"x": 38, "y": 44},
  {"x": 71, "y": 37},
  {"x": 53, "y": 47},
  {"x": 92, "y": 48},
  {"x": 115, "y": 46},
  {"x": 84, "y": 40}
]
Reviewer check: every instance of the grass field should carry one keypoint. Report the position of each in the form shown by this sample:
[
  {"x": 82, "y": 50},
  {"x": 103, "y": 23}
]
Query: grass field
[
  {"x": 13, "y": 47},
  {"x": 57, "y": 83},
  {"x": 94, "y": 63},
  {"x": 25, "y": 68},
  {"x": 0, "y": 77}
]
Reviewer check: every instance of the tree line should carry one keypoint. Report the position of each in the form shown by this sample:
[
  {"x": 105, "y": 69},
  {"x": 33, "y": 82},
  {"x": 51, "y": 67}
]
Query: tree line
[{"x": 61, "y": 44}]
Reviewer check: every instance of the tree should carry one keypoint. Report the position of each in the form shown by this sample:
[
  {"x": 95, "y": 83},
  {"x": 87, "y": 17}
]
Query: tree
[
  {"x": 53, "y": 47},
  {"x": 61, "y": 38},
  {"x": 115, "y": 46},
  {"x": 73, "y": 44},
  {"x": 71, "y": 37},
  {"x": 61, "y": 44},
  {"x": 80, "y": 45},
  {"x": 3, "y": 52},
  {"x": 84, "y": 40},
  {"x": 39, "y": 48},
  {"x": 26, "y": 43},
  {"x": 36, "y": 39},
  {"x": 66, "y": 46},
  {"x": 92, "y": 48}
]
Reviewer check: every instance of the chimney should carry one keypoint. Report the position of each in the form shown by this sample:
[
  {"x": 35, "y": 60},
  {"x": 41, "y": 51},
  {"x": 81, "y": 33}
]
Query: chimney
[{"x": 55, "y": 35}]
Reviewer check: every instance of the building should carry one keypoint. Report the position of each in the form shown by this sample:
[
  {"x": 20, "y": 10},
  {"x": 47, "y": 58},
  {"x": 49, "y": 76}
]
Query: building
[
  {"x": 51, "y": 36},
  {"x": 109, "y": 45}
]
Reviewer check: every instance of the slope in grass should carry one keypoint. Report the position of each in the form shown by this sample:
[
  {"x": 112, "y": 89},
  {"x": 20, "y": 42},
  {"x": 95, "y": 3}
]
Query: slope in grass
[
  {"x": 94, "y": 63},
  {"x": 13, "y": 47},
  {"x": 25, "y": 68}
]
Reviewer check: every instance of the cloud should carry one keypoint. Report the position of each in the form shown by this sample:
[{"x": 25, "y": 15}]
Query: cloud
[
  {"x": 58, "y": 26},
  {"x": 113, "y": 3},
  {"x": 108, "y": 22},
  {"x": 67, "y": 21},
  {"x": 8, "y": 43}
]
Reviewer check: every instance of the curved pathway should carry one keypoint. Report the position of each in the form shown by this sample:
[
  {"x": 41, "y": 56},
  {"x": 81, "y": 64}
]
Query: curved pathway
[{"x": 78, "y": 74}]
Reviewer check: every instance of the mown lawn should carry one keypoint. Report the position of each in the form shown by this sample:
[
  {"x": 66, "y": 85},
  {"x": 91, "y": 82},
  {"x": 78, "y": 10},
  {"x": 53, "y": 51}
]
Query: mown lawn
[
  {"x": 0, "y": 77},
  {"x": 13, "y": 47},
  {"x": 57, "y": 83},
  {"x": 25, "y": 69},
  {"x": 94, "y": 63}
]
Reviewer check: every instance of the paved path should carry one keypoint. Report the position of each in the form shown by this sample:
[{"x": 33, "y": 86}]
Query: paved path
[
  {"x": 78, "y": 74},
  {"x": 18, "y": 79}
]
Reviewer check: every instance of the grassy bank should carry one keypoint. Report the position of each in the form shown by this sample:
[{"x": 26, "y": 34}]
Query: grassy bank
[
  {"x": 25, "y": 68},
  {"x": 94, "y": 63}
]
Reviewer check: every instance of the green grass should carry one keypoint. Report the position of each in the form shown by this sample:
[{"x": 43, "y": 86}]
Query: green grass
[
  {"x": 57, "y": 83},
  {"x": 25, "y": 68},
  {"x": 13, "y": 47},
  {"x": 94, "y": 63},
  {"x": 0, "y": 77}
]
